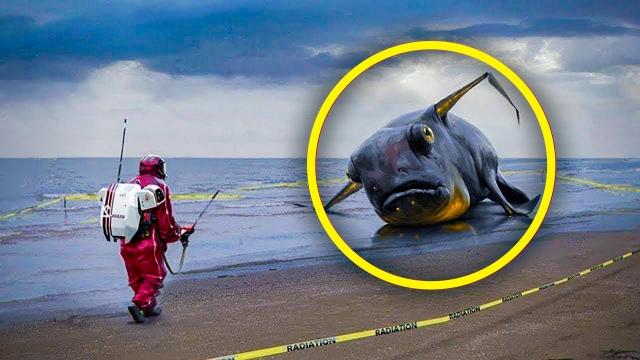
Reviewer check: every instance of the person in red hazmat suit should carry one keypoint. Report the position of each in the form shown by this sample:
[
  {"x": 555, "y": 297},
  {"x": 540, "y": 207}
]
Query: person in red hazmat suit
[{"x": 143, "y": 255}]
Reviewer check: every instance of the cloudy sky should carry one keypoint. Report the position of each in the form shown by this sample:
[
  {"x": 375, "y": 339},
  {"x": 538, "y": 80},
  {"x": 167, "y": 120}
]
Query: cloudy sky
[{"x": 245, "y": 78}]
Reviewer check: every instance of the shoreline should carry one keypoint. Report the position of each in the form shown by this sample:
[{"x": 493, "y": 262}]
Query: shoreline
[
  {"x": 59, "y": 307},
  {"x": 214, "y": 316}
]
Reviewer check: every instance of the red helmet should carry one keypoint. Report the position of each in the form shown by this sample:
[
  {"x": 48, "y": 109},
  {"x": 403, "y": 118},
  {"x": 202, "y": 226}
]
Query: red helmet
[{"x": 153, "y": 165}]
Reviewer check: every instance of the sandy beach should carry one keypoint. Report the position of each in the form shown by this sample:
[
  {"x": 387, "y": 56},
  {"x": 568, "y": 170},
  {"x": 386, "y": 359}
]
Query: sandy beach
[
  {"x": 597, "y": 316},
  {"x": 263, "y": 144}
]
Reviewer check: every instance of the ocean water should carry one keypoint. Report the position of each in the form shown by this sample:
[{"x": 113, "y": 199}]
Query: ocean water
[{"x": 55, "y": 258}]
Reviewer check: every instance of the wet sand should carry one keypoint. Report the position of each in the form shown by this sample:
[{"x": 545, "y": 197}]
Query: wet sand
[{"x": 589, "y": 318}]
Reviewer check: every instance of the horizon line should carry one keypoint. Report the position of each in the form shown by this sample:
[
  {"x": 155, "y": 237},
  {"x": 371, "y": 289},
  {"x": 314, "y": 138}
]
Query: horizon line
[{"x": 278, "y": 158}]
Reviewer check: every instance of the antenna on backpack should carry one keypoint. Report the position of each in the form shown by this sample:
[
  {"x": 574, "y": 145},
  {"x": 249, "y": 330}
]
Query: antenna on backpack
[{"x": 124, "y": 133}]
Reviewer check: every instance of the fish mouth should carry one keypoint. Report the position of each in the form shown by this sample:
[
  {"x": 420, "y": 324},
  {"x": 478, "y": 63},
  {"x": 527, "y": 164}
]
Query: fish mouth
[{"x": 416, "y": 197}]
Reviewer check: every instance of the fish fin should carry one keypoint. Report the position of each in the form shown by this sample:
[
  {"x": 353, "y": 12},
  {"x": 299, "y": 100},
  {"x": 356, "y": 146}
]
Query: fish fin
[
  {"x": 496, "y": 85},
  {"x": 530, "y": 205},
  {"x": 511, "y": 193},
  {"x": 495, "y": 193},
  {"x": 349, "y": 189},
  {"x": 443, "y": 106}
]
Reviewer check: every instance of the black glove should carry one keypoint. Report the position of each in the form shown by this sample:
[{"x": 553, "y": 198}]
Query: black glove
[
  {"x": 184, "y": 239},
  {"x": 184, "y": 236}
]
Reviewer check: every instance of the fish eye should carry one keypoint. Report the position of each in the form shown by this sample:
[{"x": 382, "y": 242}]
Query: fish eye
[
  {"x": 427, "y": 134},
  {"x": 421, "y": 138}
]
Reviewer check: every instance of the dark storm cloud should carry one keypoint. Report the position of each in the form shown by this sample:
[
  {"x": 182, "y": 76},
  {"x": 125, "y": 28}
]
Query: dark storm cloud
[{"x": 264, "y": 39}]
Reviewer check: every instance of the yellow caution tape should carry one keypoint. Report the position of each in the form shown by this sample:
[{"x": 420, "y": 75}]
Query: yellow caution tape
[
  {"x": 27, "y": 210},
  {"x": 234, "y": 194},
  {"x": 204, "y": 196},
  {"x": 583, "y": 182},
  {"x": 311, "y": 344},
  {"x": 599, "y": 185},
  {"x": 292, "y": 184},
  {"x": 82, "y": 197},
  {"x": 91, "y": 220},
  {"x": 94, "y": 197},
  {"x": 178, "y": 197}
]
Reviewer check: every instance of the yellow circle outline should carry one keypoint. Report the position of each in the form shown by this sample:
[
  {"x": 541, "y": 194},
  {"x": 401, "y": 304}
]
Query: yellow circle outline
[{"x": 313, "y": 147}]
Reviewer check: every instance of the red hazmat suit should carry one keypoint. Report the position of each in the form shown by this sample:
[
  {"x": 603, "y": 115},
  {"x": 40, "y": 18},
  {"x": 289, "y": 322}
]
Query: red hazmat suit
[{"x": 143, "y": 256}]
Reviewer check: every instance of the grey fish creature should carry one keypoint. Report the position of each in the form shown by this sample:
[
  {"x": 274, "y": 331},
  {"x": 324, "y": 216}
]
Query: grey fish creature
[{"x": 430, "y": 166}]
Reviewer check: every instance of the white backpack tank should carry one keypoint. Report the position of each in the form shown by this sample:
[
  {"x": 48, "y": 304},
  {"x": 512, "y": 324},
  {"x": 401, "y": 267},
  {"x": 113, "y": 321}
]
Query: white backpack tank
[{"x": 122, "y": 207}]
